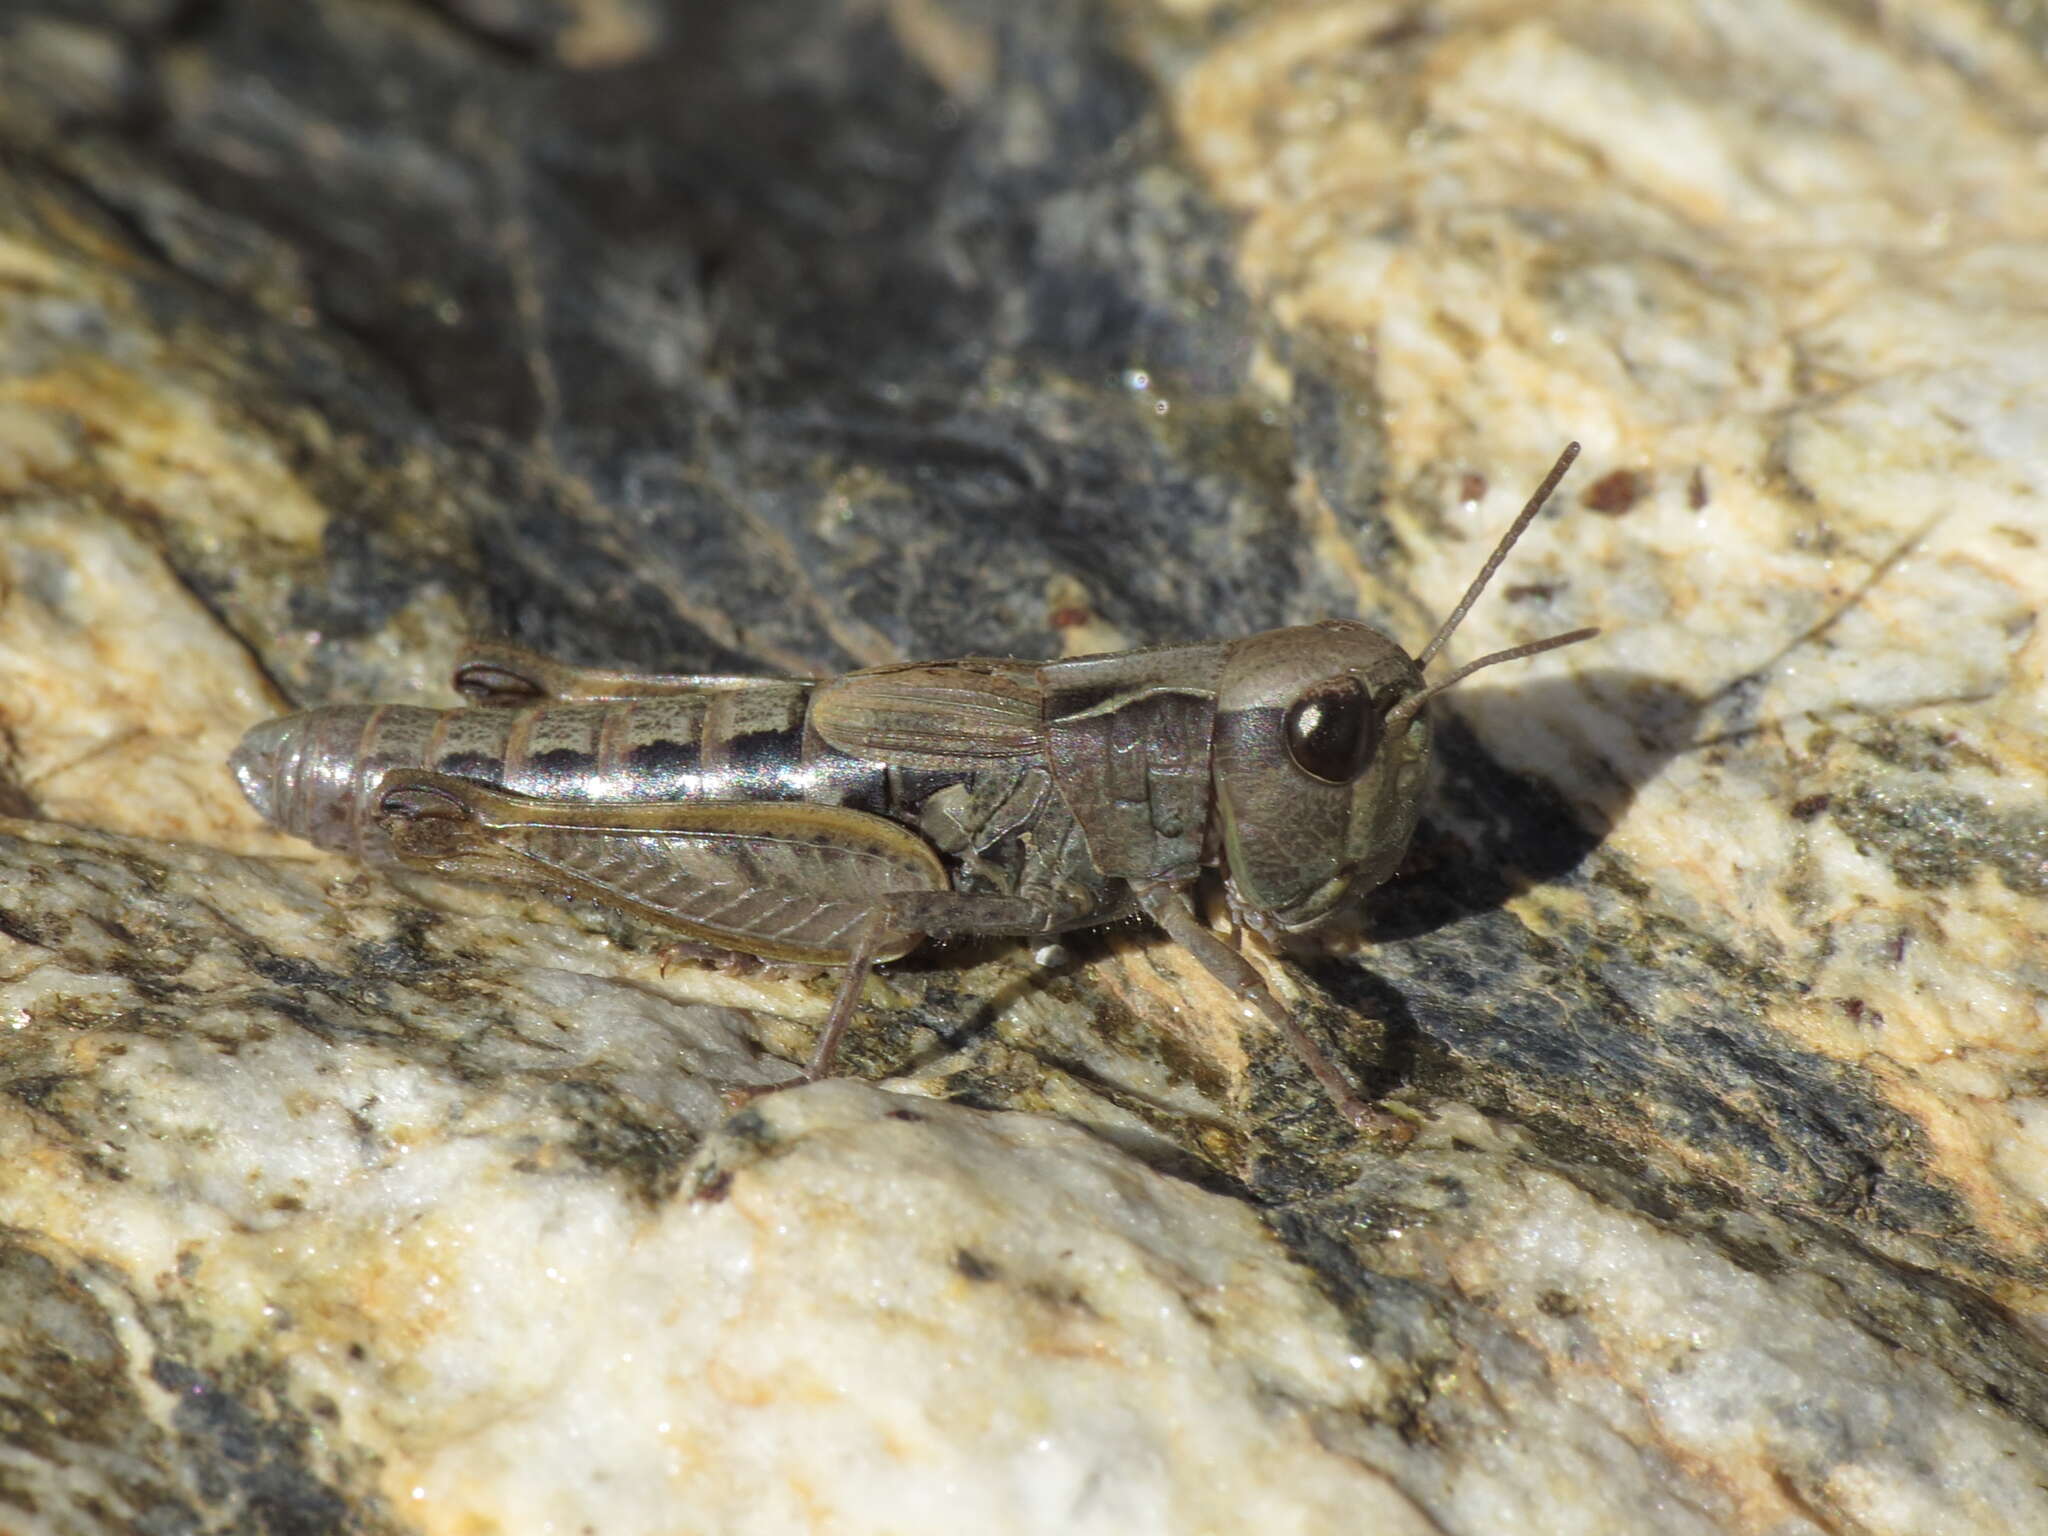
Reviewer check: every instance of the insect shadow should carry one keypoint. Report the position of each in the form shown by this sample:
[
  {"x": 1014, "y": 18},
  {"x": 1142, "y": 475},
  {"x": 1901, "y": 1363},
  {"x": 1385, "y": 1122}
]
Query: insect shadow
[{"x": 1489, "y": 832}]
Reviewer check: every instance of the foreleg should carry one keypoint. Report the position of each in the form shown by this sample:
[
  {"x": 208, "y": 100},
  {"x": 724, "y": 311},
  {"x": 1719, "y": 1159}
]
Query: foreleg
[{"x": 1169, "y": 907}]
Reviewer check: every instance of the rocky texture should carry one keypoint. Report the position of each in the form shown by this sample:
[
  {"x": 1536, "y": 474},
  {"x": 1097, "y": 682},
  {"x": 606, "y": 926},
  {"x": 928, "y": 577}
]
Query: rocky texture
[{"x": 797, "y": 337}]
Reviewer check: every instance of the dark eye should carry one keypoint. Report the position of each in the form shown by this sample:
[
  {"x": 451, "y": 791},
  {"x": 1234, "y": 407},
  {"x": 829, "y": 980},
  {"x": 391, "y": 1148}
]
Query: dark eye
[{"x": 1333, "y": 730}]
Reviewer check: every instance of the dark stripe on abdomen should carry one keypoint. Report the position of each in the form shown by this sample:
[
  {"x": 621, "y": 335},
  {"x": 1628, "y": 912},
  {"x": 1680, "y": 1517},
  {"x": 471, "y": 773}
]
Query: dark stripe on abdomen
[
  {"x": 551, "y": 752},
  {"x": 763, "y": 765},
  {"x": 722, "y": 744},
  {"x": 753, "y": 742},
  {"x": 834, "y": 778},
  {"x": 470, "y": 743}
]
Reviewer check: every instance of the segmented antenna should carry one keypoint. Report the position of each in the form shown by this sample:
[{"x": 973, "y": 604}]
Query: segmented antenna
[{"x": 1402, "y": 712}]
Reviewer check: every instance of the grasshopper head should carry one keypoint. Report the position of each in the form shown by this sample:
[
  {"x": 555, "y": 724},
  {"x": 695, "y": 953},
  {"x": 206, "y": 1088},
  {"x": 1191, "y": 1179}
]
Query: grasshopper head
[
  {"x": 1317, "y": 788},
  {"x": 1320, "y": 747}
]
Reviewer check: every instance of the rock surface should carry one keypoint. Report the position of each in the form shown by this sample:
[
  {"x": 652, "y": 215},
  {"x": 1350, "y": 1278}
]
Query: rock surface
[{"x": 802, "y": 336}]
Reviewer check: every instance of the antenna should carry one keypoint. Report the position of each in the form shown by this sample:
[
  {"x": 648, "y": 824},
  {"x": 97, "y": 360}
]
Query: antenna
[
  {"x": 1403, "y": 712},
  {"x": 1500, "y": 553}
]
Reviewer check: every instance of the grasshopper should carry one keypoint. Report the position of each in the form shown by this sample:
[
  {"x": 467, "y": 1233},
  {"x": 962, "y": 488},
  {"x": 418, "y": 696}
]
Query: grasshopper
[{"x": 840, "y": 821}]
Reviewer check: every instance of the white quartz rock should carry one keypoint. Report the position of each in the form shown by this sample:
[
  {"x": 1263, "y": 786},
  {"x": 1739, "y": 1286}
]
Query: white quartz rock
[{"x": 876, "y": 1313}]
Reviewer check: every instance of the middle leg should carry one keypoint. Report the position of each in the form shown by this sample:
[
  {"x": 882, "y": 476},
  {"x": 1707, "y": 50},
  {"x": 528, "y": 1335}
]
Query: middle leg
[{"x": 943, "y": 912}]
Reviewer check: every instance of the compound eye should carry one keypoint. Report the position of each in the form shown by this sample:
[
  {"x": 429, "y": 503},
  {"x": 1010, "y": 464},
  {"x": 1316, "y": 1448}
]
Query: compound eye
[{"x": 1333, "y": 730}]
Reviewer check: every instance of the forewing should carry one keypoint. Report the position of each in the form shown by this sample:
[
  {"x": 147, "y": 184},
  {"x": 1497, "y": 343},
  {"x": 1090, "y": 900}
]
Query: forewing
[{"x": 950, "y": 714}]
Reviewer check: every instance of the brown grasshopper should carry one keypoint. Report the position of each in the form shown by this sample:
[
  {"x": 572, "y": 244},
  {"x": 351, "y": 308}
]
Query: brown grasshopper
[{"x": 838, "y": 822}]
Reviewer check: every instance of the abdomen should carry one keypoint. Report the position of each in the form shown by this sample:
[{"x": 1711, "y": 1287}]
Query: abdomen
[{"x": 315, "y": 774}]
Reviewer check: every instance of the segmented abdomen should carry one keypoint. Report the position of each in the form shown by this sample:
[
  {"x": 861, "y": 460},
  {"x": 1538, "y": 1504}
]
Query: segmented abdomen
[{"x": 315, "y": 774}]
